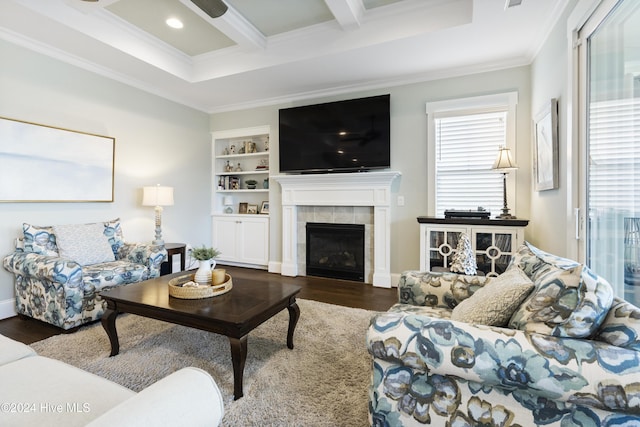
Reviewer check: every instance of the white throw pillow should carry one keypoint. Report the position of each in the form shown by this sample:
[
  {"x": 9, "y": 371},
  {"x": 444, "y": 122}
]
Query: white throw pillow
[
  {"x": 495, "y": 302},
  {"x": 85, "y": 244}
]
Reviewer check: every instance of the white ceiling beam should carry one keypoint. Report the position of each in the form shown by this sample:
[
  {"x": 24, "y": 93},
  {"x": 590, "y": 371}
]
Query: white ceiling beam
[
  {"x": 233, "y": 25},
  {"x": 380, "y": 25},
  {"x": 348, "y": 13}
]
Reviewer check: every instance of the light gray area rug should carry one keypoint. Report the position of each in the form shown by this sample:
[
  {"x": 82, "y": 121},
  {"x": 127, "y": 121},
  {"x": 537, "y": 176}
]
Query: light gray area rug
[{"x": 323, "y": 381}]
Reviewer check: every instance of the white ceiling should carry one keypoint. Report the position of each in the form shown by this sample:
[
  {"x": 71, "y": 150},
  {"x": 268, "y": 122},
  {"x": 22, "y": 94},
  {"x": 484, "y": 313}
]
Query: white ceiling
[{"x": 262, "y": 52}]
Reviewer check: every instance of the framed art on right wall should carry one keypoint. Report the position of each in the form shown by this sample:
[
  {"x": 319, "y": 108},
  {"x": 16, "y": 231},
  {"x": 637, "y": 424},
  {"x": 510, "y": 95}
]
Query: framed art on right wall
[{"x": 545, "y": 155}]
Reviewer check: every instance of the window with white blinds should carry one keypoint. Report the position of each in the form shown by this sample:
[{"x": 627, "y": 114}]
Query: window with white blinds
[
  {"x": 463, "y": 137},
  {"x": 466, "y": 148}
]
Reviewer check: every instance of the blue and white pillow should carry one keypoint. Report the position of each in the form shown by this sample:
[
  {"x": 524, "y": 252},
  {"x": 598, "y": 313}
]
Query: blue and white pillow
[
  {"x": 113, "y": 231},
  {"x": 568, "y": 300},
  {"x": 39, "y": 240},
  {"x": 621, "y": 327}
]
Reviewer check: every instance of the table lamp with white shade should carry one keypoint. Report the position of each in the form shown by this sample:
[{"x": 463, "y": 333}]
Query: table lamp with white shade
[
  {"x": 504, "y": 164},
  {"x": 158, "y": 196},
  {"x": 228, "y": 202}
]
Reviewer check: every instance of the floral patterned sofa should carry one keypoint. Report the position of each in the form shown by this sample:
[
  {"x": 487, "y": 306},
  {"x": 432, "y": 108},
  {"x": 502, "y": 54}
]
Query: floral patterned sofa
[
  {"x": 562, "y": 351},
  {"x": 59, "y": 270}
]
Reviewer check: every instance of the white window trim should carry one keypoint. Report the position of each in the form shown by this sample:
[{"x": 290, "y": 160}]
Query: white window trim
[{"x": 461, "y": 105}]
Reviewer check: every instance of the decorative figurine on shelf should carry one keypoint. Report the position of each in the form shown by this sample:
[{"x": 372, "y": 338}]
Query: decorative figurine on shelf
[
  {"x": 266, "y": 144},
  {"x": 263, "y": 165},
  {"x": 238, "y": 168},
  {"x": 232, "y": 149},
  {"x": 228, "y": 167},
  {"x": 250, "y": 147},
  {"x": 463, "y": 260},
  {"x": 225, "y": 152},
  {"x": 241, "y": 150}
]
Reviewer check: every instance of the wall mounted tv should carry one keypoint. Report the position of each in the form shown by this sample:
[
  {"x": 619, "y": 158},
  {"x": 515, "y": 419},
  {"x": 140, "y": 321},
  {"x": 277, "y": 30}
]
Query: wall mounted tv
[{"x": 342, "y": 136}]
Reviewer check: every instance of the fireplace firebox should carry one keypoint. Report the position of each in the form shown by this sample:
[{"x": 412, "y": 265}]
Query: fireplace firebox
[{"x": 335, "y": 250}]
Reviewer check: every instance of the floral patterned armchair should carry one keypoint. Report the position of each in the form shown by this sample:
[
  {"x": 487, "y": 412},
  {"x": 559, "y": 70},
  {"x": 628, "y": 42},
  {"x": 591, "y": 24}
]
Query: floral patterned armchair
[
  {"x": 59, "y": 270},
  {"x": 568, "y": 355}
]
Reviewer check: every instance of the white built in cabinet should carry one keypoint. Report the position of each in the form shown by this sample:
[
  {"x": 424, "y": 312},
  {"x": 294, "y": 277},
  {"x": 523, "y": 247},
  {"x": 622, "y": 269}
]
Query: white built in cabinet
[
  {"x": 238, "y": 157},
  {"x": 242, "y": 239},
  {"x": 493, "y": 241}
]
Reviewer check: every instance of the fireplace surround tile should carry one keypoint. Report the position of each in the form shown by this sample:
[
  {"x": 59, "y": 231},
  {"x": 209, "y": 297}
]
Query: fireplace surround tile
[{"x": 336, "y": 215}]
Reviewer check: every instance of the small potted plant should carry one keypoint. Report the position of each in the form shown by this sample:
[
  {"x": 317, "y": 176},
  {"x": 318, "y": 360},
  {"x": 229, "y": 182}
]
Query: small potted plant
[
  {"x": 206, "y": 262},
  {"x": 251, "y": 184}
]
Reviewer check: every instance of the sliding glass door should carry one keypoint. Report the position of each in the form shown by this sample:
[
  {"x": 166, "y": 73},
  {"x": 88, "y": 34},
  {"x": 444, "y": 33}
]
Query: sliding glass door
[{"x": 610, "y": 49}]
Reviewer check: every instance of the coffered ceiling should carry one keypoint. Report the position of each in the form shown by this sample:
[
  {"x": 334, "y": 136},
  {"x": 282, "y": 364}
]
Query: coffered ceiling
[{"x": 262, "y": 52}]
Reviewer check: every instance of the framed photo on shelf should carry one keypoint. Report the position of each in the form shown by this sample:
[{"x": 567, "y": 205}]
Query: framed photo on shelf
[
  {"x": 545, "y": 156},
  {"x": 264, "y": 209},
  {"x": 252, "y": 209},
  {"x": 243, "y": 207}
]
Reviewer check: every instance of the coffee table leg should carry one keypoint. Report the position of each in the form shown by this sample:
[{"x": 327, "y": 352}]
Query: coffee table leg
[
  {"x": 294, "y": 315},
  {"x": 238, "y": 357},
  {"x": 109, "y": 325}
]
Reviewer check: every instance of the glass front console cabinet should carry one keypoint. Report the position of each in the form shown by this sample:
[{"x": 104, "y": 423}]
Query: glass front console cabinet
[{"x": 493, "y": 242}]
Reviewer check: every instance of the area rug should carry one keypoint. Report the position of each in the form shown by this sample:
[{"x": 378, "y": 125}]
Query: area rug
[{"x": 321, "y": 382}]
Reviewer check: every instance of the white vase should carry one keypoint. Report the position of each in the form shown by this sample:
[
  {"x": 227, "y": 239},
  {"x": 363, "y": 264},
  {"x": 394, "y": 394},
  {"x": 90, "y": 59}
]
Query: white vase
[{"x": 203, "y": 274}]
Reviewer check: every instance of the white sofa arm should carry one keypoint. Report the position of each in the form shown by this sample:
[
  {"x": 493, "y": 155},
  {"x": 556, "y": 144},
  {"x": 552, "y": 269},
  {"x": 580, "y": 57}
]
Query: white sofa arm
[{"x": 188, "y": 397}]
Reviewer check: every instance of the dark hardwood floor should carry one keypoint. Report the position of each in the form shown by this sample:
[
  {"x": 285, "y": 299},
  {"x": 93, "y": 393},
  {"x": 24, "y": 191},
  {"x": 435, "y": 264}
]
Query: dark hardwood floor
[{"x": 331, "y": 291}]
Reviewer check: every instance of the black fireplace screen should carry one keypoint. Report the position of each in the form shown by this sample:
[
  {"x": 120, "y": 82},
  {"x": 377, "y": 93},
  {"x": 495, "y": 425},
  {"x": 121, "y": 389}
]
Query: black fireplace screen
[{"x": 335, "y": 251}]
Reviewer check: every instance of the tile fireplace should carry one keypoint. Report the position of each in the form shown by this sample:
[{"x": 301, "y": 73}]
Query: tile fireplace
[{"x": 372, "y": 189}]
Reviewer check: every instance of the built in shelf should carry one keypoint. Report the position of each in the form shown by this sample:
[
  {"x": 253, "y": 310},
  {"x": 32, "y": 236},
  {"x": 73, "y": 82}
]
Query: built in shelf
[
  {"x": 245, "y": 172},
  {"x": 245, "y": 190},
  {"x": 244, "y": 155}
]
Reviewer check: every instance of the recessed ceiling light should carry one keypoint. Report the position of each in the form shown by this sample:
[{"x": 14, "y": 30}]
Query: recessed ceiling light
[{"x": 174, "y": 23}]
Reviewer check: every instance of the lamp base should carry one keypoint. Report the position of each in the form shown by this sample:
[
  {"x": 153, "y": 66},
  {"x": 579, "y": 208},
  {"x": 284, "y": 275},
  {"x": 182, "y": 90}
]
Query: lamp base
[
  {"x": 505, "y": 210},
  {"x": 505, "y": 214}
]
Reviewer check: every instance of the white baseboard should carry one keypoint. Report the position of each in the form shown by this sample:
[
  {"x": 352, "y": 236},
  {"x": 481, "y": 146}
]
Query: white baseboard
[
  {"x": 7, "y": 308},
  {"x": 395, "y": 279},
  {"x": 275, "y": 267}
]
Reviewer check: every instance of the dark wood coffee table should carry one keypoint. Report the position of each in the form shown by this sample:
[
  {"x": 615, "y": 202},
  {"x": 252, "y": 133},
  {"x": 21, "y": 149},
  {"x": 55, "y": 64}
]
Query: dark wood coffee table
[{"x": 234, "y": 314}]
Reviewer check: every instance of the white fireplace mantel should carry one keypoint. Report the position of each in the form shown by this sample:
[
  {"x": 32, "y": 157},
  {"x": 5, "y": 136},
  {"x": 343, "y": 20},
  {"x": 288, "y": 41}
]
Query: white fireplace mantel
[{"x": 339, "y": 189}]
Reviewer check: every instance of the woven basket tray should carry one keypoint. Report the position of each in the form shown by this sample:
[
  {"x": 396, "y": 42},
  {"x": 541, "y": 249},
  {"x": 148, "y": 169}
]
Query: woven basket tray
[{"x": 176, "y": 290}]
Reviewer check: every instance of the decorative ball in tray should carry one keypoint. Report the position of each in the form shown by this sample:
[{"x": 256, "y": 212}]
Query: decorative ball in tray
[{"x": 184, "y": 287}]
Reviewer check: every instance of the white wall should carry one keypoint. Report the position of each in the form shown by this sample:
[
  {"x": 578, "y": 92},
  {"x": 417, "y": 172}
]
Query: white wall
[
  {"x": 157, "y": 142},
  {"x": 409, "y": 150},
  {"x": 550, "y": 209}
]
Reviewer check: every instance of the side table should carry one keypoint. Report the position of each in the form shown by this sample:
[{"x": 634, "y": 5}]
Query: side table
[{"x": 173, "y": 249}]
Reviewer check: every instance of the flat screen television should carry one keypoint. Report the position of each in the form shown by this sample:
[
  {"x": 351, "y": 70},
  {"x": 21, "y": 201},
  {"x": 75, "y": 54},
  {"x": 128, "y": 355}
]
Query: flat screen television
[{"x": 342, "y": 136}]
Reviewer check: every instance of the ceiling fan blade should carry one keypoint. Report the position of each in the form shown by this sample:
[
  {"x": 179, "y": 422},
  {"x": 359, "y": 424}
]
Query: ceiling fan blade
[{"x": 213, "y": 8}]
